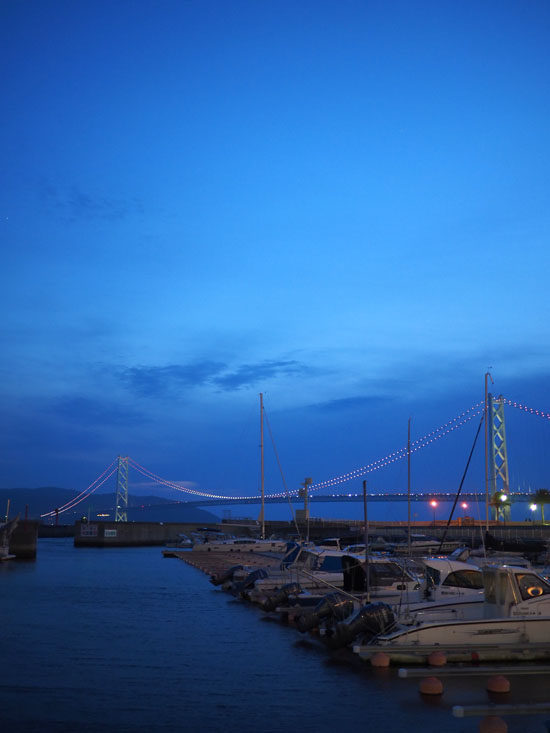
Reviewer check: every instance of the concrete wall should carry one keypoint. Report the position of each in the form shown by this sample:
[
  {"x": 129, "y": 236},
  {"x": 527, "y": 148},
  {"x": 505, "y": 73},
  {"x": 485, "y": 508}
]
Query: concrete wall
[
  {"x": 128, "y": 534},
  {"x": 23, "y": 539}
]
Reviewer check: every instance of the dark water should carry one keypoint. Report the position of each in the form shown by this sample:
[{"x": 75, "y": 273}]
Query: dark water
[{"x": 126, "y": 640}]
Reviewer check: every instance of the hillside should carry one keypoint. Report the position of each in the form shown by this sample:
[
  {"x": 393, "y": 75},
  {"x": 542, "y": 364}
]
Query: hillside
[{"x": 140, "y": 508}]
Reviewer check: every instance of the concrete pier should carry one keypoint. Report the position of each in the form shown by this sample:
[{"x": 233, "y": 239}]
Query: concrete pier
[
  {"x": 217, "y": 563},
  {"x": 23, "y": 539}
]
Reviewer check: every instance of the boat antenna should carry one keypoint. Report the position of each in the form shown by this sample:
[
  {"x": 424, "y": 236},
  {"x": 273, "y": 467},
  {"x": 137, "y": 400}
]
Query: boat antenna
[
  {"x": 485, "y": 412},
  {"x": 461, "y": 484},
  {"x": 409, "y": 487},
  {"x": 367, "y": 569},
  {"x": 262, "y": 512},
  {"x": 282, "y": 476}
]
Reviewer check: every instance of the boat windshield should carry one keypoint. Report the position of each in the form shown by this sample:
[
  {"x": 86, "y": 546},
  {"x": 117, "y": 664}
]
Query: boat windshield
[
  {"x": 330, "y": 564},
  {"x": 531, "y": 586},
  {"x": 464, "y": 579}
]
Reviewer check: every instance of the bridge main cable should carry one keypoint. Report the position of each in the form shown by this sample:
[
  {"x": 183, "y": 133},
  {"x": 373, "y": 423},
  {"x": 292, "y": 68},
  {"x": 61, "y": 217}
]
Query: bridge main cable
[{"x": 397, "y": 455}]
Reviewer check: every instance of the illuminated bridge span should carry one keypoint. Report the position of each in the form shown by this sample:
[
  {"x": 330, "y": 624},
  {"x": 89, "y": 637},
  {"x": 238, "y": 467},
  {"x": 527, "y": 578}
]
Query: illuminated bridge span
[
  {"x": 468, "y": 497},
  {"x": 121, "y": 467}
]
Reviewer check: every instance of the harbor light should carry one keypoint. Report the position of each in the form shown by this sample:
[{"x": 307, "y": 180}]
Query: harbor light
[{"x": 433, "y": 504}]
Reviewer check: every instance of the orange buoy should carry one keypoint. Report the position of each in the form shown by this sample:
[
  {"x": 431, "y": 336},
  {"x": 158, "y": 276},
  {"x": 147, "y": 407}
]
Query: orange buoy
[
  {"x": 493, "y": 724},
  {"x": 498, "y": 683},
  {"x": 437, "y": 659},
  {"x": 431, "y": 686},
  {"x": 380, "y": 659}
]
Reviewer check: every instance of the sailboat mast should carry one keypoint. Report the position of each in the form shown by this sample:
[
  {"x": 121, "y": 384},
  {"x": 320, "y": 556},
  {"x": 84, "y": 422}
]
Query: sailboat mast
[
  {"x": 409, "y": 486},
  {"x": 366, "y": 519},
  {"x": 486, "y": 417},
  {"x": 262, "y": 482}
]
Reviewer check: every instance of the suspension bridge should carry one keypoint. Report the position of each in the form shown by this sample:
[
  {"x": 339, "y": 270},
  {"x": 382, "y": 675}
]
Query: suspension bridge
[
  {"x": 379, "y": 497},
  {"x": 491, "y": 410}
]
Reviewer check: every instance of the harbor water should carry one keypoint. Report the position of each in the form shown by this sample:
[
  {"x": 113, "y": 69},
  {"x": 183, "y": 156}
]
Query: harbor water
[{"x": 125, "y": 640}]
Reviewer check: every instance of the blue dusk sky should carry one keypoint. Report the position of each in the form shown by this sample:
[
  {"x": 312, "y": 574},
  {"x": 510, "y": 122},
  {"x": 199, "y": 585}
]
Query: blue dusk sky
[{"x": 341, "y": 205}]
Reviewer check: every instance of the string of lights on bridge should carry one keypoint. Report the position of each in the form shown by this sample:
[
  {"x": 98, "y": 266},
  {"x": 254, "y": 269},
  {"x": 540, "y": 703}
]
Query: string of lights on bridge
[
  {"x": 440, "y": 432},
  {"x": 524, "y": 408},
  {"x": 397, "y": 455},
  {"x": 100, "y": 480}
]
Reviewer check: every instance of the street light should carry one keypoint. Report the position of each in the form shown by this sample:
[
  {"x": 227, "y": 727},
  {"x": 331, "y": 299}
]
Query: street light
[
  {"x": 503, "y": 499},
  {"x": 533, "y": 508},
  {"x": 433, "y": 504}
]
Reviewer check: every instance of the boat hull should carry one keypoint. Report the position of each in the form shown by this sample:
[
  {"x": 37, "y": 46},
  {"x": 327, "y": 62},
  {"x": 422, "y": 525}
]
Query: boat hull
[{"x": 487, "y": 640}]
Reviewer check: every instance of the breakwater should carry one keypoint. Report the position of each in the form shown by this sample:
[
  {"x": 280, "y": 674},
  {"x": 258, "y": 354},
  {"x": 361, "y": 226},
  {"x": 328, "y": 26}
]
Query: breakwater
[
  {"x": 22, "y": 541},
  {"x": 136, "y": 534}
]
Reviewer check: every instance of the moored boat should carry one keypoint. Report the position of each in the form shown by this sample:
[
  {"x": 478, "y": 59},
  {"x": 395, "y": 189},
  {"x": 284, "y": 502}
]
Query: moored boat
[{"x": 513, "y": 624}]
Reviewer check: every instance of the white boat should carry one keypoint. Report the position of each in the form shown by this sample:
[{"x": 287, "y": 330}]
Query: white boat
[
  {"x": 309, "y": 566},
  {"x": 304, "y": 585},
  {"x": 423, "y": 545},
  {"x": 447, "y": 590},
  {"x": 330, "y": 543},
  {"x": 182, "y": 542},
  {"x": 302, "y": 563},
  {"x": 513, "y": 623}
]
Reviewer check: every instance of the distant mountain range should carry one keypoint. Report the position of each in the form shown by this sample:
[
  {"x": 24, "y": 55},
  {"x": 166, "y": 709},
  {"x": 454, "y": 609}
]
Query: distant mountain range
[{"x": 140, "y": 508}]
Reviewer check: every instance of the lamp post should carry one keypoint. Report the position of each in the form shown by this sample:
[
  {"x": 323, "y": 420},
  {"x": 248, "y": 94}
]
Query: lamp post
[
  {"x": 503, "y": 499},
  {"x": 464, "y": 506},
  {"x": 433, "y": 504},
  {"x": 533, "y": 508}
]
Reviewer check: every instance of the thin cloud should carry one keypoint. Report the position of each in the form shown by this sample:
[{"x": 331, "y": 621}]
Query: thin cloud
[
  {"x": 92, "y": 412},
  {"x": 249, "y": 374},
  {"x": 350, "y": 403},
  {"x": 78, "y": 205},
  {"x": 166, "y": 380}
]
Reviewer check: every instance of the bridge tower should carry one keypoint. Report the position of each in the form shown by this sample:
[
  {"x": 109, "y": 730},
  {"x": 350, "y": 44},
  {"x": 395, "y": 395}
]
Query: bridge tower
[
  {"x": 303, "y": 493},
  {"x": 122, "y": 490},
  {"x": 498, "y": 459}
]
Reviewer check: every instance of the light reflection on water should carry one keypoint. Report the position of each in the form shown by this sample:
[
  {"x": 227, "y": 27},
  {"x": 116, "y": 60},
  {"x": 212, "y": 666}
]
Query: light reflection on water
[{"x": 126, "y": 640}]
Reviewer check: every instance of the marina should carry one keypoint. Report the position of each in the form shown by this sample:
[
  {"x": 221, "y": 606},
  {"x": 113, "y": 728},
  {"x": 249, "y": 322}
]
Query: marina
[
  {"x": 440, "y": 655},
  {"x": 275, "y": 404},
  {"x": 129, "y": 640},
  {"x": 309, "y": 620}
]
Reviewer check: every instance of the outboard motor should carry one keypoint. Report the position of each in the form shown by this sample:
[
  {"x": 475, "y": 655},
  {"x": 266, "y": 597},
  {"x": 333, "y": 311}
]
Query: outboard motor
[
  {"x": 225, "y": 577},
  {"x": 271, "y": 602},
  {"x": 332, "y": 606},
  {"x": 249, "y": 581},
  {"x": 370, "y": 620}
]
